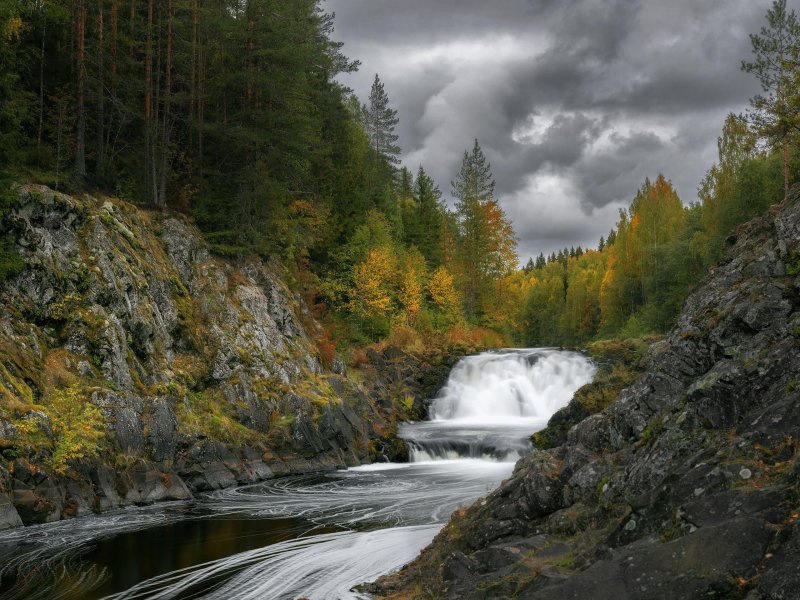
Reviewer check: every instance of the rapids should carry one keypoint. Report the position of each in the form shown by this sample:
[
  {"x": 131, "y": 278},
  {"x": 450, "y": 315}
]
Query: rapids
[{"x": 313, "y": 536}]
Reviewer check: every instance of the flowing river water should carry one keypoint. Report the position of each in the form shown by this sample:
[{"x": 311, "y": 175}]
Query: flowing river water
[{"x": 313, "y": 536}]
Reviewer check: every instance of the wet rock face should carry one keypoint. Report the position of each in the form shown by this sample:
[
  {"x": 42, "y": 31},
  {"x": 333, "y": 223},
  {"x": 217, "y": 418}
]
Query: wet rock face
[
  {"x": 686, "y": 486},
  {"x": 203, "y": 372}
]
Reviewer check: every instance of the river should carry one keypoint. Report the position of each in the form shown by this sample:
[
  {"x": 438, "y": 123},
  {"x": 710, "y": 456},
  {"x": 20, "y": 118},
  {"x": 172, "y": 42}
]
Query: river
[{"x": 313, "y": 536}]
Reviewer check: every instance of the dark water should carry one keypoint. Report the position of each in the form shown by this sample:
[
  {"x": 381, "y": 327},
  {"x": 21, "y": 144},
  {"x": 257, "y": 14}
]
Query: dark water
[
  {"x": 130, "y": 558},
  {"x": 312, "y": 536},
  {"x": 73, "y": 561}
]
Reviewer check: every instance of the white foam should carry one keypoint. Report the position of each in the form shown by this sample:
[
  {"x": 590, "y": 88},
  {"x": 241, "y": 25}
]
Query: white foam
[{"x": 505, "y": 387}]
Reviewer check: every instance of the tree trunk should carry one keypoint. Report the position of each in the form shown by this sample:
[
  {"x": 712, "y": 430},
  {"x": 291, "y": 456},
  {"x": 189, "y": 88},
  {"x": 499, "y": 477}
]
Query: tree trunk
[
  {"x": 41, "y": 90},
  {"x": 132, "y": 43},
  {"x": 193, "y": 77},
  {"x": 249, "y": 62},
  {"x": 785, "y": 168},
  {"x": 59, "y": 134},
  {"x": 114, "y": 23},
  {"x": 80, "y": 142},
  {"x": 201, "y": 102},
  {"x": 162, "y": 188},
  {"x": 148, "y": 105},
  {"x": 101, "y": 117}
]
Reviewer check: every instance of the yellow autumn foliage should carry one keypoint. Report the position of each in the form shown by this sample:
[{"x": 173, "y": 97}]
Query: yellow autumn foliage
[
  {"x": 411, "y": 293},
  {"x": 370, "y": 294},
  {"x": 78, "y": 427},
  {"x": 443, "y": 292}
]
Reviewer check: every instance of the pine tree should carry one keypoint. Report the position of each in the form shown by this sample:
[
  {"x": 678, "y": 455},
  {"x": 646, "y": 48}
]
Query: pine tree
[
  {"x": 529, "y": 266},
  {"x": 80, "y": 59},
  {"x": 486, "y": 240},
  {"x": 777, "y": 54},
  {"x": 474, "y": 183},
  {"x": 430, "y": 217},
  {"x": 473, "y": 187},
  {"x": 382, "y": 120}
]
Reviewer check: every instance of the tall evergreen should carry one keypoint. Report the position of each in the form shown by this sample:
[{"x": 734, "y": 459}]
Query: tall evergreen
[
  {"x": 382, "y": 121},
  {"x": 486, "y": 240},
  {"x": 430, "y": 216},
  {"x": 474, "y": 183},
  {"x": 776, "y": 52}
]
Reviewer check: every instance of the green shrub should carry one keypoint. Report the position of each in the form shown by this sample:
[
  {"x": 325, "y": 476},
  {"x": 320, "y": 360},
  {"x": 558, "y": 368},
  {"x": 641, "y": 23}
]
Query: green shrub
[
  {"x": 11, "y": 262},
  {"x": 793, "y": 266}
]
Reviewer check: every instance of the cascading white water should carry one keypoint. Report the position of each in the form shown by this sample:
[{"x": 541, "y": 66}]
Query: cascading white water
[
  {"x": 509, "y": 385},
  {"x": 386, "y": 513},
  {"x": 494, "y": 401}
]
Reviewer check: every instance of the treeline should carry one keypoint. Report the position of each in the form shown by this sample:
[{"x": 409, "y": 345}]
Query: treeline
[
  {"x": 421, "y": 266},
  {"x": 637, "y": 279},
  {"x": 228, "y": 110},
  {"x": 223, "y": 108}
]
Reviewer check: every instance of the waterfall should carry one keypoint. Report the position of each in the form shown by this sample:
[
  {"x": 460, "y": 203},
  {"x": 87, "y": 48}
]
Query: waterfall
[
  {"x": 510, "y": 385},
  {"x": 494, "y": 401},
  {"x": 332, "y": 530}
]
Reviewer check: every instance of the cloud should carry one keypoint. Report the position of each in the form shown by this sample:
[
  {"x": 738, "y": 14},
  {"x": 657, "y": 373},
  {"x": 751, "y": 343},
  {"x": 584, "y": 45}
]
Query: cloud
[
  {"x": 577, "y": 101},
  {"x": 548, "y": 215}
]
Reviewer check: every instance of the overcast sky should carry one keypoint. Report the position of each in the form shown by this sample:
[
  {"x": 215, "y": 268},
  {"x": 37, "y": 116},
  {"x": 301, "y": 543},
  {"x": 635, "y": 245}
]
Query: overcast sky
[{"x": 574, "y": 102}]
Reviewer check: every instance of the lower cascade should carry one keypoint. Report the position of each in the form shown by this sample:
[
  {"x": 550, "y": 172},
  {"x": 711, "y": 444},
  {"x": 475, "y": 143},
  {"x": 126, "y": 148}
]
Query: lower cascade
[
  {"x": 317, "y": 535},
  {"x": 494, "y": 401}
]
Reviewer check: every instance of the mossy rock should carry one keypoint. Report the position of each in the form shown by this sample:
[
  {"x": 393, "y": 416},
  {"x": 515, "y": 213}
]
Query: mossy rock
[{"x": 619, "y": 364}]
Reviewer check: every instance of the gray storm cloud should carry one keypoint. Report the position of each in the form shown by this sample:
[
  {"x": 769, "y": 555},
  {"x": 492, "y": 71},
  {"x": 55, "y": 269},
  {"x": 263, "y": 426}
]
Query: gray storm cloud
[{"x": 574, "y": 103}]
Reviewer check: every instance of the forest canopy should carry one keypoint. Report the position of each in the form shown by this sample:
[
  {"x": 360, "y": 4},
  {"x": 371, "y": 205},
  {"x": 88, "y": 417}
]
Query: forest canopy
[{"x": 230, "y": 111}]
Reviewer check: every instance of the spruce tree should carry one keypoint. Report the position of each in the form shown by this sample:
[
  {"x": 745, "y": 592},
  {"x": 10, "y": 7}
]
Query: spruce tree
[
  {"x": 472, "y": 188},
  {"x": 486, "y": 239},
  {"x": 430, "y": 217},
  {"x": 777, "y": 53},
  {"x": 382, "y": 119},
  {"x": 529, "y": 266}
]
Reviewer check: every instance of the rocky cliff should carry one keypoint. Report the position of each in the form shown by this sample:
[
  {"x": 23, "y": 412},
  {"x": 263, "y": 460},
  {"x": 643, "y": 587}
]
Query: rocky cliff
[
  {"x": 687, "y": 486},
  {"x": 135, "y": 367}
]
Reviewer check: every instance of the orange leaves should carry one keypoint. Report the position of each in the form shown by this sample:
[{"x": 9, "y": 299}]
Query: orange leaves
[
  {"x": 13, "y": 29},
  {"x": 501, "y": 242},
  {"x": 327, "y": 348}
]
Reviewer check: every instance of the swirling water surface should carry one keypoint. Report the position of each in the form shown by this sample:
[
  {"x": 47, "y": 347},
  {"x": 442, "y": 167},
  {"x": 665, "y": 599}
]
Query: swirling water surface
[{"x": 313, "y": 536}]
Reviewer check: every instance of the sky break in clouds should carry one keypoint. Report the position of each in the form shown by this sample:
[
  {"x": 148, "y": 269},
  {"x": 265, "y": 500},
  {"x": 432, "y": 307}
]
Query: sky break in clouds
[{"x": 574, "y": 103}]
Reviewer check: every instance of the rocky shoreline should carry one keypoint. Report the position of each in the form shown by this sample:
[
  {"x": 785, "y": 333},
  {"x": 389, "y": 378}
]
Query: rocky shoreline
[
  {"x": 686, "y": 486},
  {"x": 206, "y": 374}
]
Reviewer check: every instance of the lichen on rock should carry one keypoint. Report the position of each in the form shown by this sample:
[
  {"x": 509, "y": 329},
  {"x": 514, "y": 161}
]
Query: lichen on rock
[
  {"x": 686, "y": 485},
  {"x": 201, "y": 371}
]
